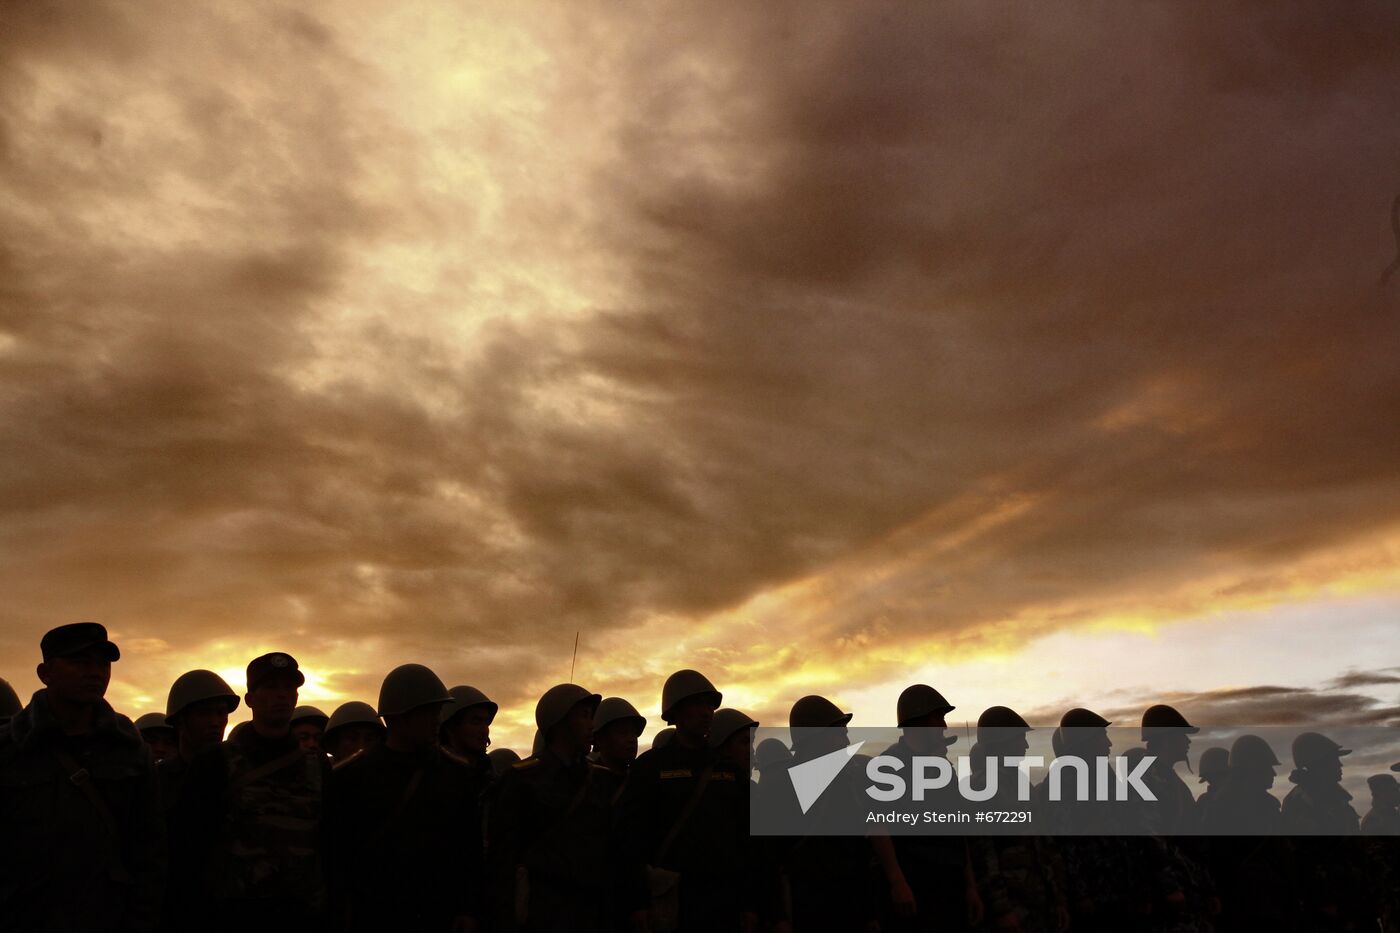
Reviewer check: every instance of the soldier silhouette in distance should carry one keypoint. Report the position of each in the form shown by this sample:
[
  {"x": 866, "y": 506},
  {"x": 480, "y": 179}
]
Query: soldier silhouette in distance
[
  {"x": 1318, "y": 805},
  {"x": 1167, "y": 737},
  {"x": 1383, "y": 819},
  {"x": 616, "y": 727},
  {"x": 501, "y": 759},
  {"x": 158, "y": 735}
]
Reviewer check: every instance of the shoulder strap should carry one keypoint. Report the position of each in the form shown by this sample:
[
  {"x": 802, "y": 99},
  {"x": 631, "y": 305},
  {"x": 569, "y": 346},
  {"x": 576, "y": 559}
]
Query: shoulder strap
[{"x": 684, "y": 815}]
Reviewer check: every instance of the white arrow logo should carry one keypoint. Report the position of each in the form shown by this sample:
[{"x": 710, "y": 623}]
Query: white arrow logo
[{"x": 811, "y": 778}]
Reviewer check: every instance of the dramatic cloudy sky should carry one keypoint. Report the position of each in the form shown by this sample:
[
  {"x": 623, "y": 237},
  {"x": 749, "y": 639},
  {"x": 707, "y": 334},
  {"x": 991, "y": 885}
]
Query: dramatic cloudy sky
[{"x": 1037, "y": 353}]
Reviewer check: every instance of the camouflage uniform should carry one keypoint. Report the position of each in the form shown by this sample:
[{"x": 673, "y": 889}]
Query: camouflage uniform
[
  {"x": 260, "y": 830},
  {"x": 61, "y": 868}
]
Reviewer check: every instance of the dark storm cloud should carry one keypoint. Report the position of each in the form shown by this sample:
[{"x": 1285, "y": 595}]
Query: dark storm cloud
[{"x": 887, "y": 273}]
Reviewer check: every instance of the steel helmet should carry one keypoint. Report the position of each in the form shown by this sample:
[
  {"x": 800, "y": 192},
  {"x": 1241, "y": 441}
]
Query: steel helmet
[
  {"x": 770, "y": 751},
  {"x": 616, "y": 709},
  {"x": 9, "y": 701},
  {"x": 664, "y": 737},
  {"x": 152, "y": 721},
  {"x": 1162, "y": 717},
  {"x": 921, "y": 700},
  {"x": 1251, "y": 750},
  {"x": 682, "y": 685},
  {"x": 556, "y": 703},
  {"x": 1311, "y": 749},
  {"x": 999, "y": 717},
  {"x": 814, "y": 711},
  {"x": 408, "y": 687},
  {"x": 353, "y": 713},
  {"x": 501, "y": 759},
  {"x": 726, "y": 723},
  {"x": 1215, "y": 761},
  {"x": 1081, "y": 718},
  {"x": 309, "y": 712},
  {"x": 194, "y": 687},
  {"x": 465, "y": 698}
]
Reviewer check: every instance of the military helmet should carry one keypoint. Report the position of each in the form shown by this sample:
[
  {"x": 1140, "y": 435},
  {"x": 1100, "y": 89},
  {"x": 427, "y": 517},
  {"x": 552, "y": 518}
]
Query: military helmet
[
  {"x": 1381, "y": 783},
  {"x": 302, "y": 713},
  {"x": 682, "y": 685},
  {"x": 194, "y": 687},
  {"x": 556, "y": 703},
  {"x": 1395, "y": 767},
  {"x": 501, "y": 759},
  {"x": 1251, "y": 750},
  {"x": 815, "y": 712},
  {"x": 770, "y": 751},
  {"x": 998, "y": 717},
  {"x": 537, "y": 744},
  {"x": 1214, "y": 763},
  {"x": 353, "y": 713},
  {"x": 616, "y": 709},
  {"x": 152, "y": 721},
  {"x": 1081, "y": 718},
  {"x": 664, "y": 737},
  {"x": 726, "y": 723},
  {"x": 9, "y": 701},
  {"x": 409, "y": 686},
  {"x": 465, "y": 698},
  {"x": 1164, "y": 717},
  {"x": 1313, "y": 748},
  {"x": 918, "y": 701},
  {"x": 1057, "y": 742}
]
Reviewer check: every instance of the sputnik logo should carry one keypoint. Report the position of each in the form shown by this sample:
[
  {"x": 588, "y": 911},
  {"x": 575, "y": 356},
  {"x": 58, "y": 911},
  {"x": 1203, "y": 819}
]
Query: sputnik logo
[{"x": 811, "y": 778}]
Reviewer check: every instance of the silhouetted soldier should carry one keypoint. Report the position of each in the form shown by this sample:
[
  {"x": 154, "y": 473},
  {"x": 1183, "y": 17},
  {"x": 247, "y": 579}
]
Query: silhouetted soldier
[
  {"x": 1167, "y": 737},
  {"x": 663, "y": 737},
  {"x": 465, "y": 734},
  {"x": 9, "y": 701},
  {"x": 1383, "y": 819},
  {"x": 1021, "y": 877},
  {"x": 309, "y": 725},
  {"x": 354, "y": 727},
  {"x": 84, "y": 845},
  {"x": 547, "y": 826},
  {"x": 1213, "y": 767},
  {"x": 158, "y": 735},
  {"x": 683, "y": 821},
  {"x": 256, "y": 803},
  {"x": 936, "y": 868},
  {"x": 1244, "y": 806},
  {"x": 1254, "y": 873},
  {"x": 616, "y": 727},
  {"x": 198, "y": 706},
  {"x": 501, "y": 759},
  {"x": 404, "y": 821},
  {"x": 1318, "y": 805},
  {"x": 771, "y": 757}
]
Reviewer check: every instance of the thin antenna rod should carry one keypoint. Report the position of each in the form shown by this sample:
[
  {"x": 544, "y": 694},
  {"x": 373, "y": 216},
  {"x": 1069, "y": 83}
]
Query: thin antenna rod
[{"x": 575, "y": 660}]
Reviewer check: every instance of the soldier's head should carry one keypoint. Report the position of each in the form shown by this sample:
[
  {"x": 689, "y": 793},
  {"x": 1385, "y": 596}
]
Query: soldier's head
[
  {"x": 771, "y": 753},
  {"x": 273, "y": 681},
  {"x": 564, "y": 718},
  {"x": 1318, "y": 756},
  {"x": 1214, "y": 765},
  {"x": 1085, "y": 734},
  {"x": 922, "y": 713},
  {"x": 198, "y": 706},
  {"x": 158, "y": 735},
  {"x": 1167, "y": 734},
  {"x": 9, "y": 702},
  {"x": 308, "y": 724},
  {"x": 1252, "y": 763},
  {"x": 353, "y": 726},
  {"x": 77, "y": 663},
  {"x": 501, "y": 759},
  {"x": 410, "y": 702},
  {"x": 466, "y": 721},
  {"x": 1385, "y": 790},
  {"x": 616, "y": 727},
  {"x": 817, "y": 726},
  {"x": 1001, "y": 733},
  {"x": 731, "y": 737},
  {"x": 688, "y": 702}
]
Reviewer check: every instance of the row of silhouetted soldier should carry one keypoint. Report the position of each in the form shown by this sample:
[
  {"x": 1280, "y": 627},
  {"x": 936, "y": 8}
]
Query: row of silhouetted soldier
[{"x": 398, "y": 816}]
